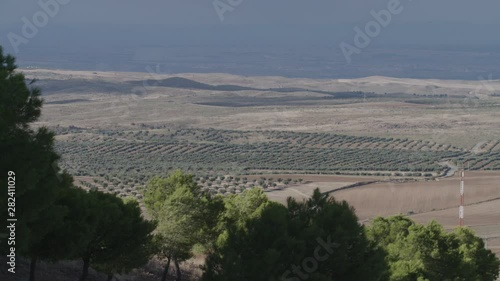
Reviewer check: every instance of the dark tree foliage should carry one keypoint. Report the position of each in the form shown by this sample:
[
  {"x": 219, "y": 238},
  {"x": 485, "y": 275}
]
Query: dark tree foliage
[
  {"x": 186, "y": 216},
  {"x": 29, "y": 153},
  {"x": 69, "y": 221},
  {"x": 20, "y": 105},
  {"x": 318, "y": 239},
  {"x": 72, "y": 231},
  {"x": 54, "y": 220},
  {"x": 120, "y": 239},
  {"x": 427, "y": 252}
]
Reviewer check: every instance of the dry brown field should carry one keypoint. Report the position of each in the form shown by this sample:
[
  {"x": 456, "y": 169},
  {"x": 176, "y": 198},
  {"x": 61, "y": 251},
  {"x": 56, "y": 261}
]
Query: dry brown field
[
  {"x": 304, "y": 191},
  {"x": 470, "y": 115},
  {"x": 424, "y": 199},
  {"x": 301, "y": 191},
  {"x": 388, "y": 198}
]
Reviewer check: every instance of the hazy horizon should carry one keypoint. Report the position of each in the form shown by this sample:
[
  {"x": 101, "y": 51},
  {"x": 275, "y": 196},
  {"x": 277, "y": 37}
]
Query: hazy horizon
[{"x": 424, "y": 39}]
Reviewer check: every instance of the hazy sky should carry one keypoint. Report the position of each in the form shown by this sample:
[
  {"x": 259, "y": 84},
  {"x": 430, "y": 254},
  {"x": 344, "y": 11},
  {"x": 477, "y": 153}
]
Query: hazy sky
[
  {"x": 250, "y": 11},
  {"x": 301, "y": 38}
]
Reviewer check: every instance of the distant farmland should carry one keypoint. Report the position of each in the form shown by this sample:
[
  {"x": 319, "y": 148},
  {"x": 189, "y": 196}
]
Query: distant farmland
[{"x": 133, "y": 156}]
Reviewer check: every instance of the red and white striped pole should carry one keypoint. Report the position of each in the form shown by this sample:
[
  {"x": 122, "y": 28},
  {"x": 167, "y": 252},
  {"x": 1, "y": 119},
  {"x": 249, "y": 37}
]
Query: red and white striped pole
[{"x": 462, "y": 198}]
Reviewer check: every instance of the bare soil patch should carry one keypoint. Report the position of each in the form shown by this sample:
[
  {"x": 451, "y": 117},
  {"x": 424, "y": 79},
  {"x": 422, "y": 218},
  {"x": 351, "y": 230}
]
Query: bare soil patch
[{"x": 388, "y": 198}]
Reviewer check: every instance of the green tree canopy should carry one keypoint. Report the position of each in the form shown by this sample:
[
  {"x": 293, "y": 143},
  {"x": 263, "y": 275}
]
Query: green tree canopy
[
  {"x": 69, "y": 222},
  {"x": 159, "y": 188},
  {"x": 26, "y": 152},
  {"x": 29, "y": 153},
  {"x": 20, "y": 105},
  {"x": 427, "y": 253},
  {"x": 72, "y": 233},
  {"x": 317, "y": 239},
  {"x": 120, "y": 239},
  {"x": 185, "y": 215}
]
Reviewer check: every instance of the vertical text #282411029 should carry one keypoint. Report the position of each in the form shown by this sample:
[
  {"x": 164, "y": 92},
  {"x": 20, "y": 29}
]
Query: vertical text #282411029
[{"x": 11, "y": 221}]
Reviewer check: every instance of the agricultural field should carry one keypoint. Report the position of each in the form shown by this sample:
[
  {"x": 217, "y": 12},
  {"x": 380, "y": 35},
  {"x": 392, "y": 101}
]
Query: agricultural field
[
  {"x": 122, "y": 160},
  {"x": 422, "y": 197},
  {"x": 385, "y": 145}
]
